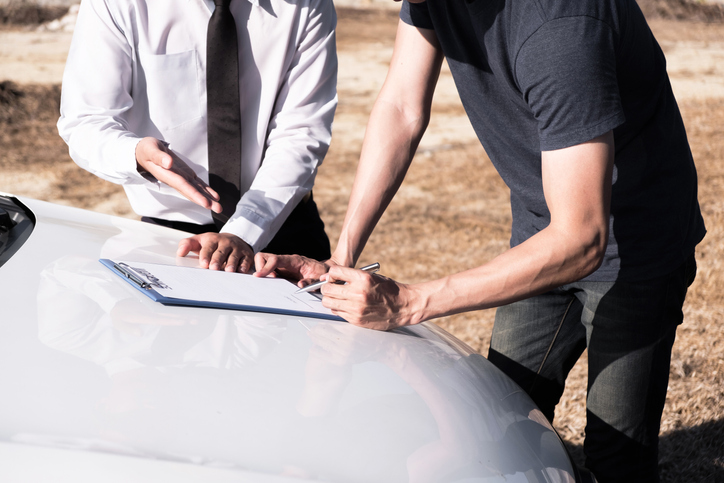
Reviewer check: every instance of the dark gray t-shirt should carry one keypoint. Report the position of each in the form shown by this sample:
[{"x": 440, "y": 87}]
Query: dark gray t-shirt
[{"x": 539, "y": 75}]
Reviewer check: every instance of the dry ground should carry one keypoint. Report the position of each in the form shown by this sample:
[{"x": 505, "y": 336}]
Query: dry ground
[{"x": 452, "y": 211}]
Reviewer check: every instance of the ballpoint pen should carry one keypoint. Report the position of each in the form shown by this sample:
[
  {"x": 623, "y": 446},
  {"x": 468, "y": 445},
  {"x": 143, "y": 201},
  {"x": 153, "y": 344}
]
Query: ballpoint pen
[{"x": 314, "y": 286}]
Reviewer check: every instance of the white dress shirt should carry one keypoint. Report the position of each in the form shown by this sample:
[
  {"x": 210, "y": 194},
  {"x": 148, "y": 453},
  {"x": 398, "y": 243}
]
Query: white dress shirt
[{"x": 137, "y": 68}]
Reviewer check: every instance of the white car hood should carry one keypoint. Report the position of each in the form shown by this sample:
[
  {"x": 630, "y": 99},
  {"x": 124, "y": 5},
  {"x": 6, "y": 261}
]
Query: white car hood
[{"x": 99, "y": 380}]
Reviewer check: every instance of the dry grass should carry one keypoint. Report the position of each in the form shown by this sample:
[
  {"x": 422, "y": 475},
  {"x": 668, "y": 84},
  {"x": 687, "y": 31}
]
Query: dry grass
[
  {"x": 695, "y": 10},
  {"x": 21, "y": 12},
  {"x": 451, "y": 213},
  {"x": 35, "y": 161}
]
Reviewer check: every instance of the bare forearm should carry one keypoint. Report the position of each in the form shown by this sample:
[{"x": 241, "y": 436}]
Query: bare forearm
[
  {"x": 547, "y": 260},
  {"x": 390, "y": 143},
  {"x": 577, "y": 186},
  {"x": 397, "y": 122}
]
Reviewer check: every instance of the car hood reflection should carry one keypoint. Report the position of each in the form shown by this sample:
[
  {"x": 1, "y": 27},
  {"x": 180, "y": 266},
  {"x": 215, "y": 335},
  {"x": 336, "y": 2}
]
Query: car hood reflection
[{"x": 282, "y": 395}]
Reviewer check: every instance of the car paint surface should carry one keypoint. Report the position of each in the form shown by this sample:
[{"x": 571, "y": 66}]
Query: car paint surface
[{"x": 98, "y": 381}]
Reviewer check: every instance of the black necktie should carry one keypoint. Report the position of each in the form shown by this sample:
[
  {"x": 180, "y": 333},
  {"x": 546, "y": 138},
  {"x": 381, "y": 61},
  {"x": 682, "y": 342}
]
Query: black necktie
[{"x": 224, "y": 118}]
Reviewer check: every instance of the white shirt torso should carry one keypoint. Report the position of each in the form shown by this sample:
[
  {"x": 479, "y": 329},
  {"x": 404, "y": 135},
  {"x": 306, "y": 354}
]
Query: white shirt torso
[{"x": 137, "y": 68}]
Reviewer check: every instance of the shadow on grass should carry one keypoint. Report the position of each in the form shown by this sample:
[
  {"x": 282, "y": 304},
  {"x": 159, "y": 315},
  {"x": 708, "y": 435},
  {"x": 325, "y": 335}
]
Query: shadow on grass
[{"x": 692, "y": 455}]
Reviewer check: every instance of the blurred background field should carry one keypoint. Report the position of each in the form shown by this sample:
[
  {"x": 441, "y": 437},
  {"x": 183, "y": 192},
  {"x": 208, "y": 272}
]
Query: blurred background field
[{"x": 452, "y": 211}]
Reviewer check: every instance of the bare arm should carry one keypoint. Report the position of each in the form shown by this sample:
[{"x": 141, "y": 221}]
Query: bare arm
[
  {"x": 577, "y": 187},
  {"x": 396, "y": 125}
]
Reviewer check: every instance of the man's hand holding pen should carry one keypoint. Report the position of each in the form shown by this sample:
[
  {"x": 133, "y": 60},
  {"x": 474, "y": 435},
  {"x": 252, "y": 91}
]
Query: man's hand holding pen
[
  {"x": 372, "y": 268},
  {"x": 368, "y": 300},
  {"x": 358, "y": 296}
]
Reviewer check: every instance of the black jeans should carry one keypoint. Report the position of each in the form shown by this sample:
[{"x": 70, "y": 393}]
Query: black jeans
[
  {"x": 301, "y": 234},
  {"x": 629, "y": 329}
]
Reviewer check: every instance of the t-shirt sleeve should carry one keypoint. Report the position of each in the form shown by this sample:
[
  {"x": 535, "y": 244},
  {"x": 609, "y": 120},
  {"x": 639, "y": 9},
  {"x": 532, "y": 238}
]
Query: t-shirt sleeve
[
  {"x": 416, "y": 14},
  {"x": 566, "y": 71}
]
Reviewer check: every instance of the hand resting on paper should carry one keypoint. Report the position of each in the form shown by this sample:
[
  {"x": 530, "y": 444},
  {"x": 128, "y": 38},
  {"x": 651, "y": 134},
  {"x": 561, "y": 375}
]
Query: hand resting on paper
[
  {"x": 219, "y": 251},
  {"x": 292, "y": 267}
]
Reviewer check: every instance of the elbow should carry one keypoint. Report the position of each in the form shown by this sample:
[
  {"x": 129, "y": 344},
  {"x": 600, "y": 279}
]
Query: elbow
[
  {"x": 416, "y": 123},
  {"x": 416, "y": 117},
  {"x": 582, "y": 247},
  {"x": 591, "y": 252},
  {"x": 410, "y": 119}
]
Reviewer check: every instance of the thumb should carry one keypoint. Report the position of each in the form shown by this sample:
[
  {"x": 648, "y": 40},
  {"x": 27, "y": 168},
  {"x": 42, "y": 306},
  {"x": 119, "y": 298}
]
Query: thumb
[
  {"x": 163, "y": 159},
  {"x": 156, "y": 152},
  {"x": 340, "y": 274},
  {"x": 264, "y": 264},
  {"x": 188, "y": 245}
]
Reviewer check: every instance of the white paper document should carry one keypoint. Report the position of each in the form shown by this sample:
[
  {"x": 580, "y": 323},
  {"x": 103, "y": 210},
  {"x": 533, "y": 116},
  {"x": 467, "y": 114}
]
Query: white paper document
[{"x": 172, "y": 285}]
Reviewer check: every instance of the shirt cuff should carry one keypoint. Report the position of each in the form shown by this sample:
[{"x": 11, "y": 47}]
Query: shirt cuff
[
  {"x": 250, "y": 227},
  {"x": 124, "y": 158}
]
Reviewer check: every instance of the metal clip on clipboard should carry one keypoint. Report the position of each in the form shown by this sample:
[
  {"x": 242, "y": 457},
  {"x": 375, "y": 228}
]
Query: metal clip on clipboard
[{"x": 131, "y": 275}]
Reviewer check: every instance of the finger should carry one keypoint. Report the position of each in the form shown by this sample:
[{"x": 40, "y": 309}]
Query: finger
[
  {"x": 188, "y": 245},
  {"x": 157, "y": 160},
  {"x": 341, "y": 312},
  {"x": 206, "y": 252},
  {"x": 352, "y": 314},
  {"x": 336, "y": 295},
  {"x": 339, "y": 279},
  {"x": 220, "y": 256},
  {"x": 232, "y": 263},
  {"x": 205, "y": 188},
  {"x": 164, "y": 160},
  {"x": 210, "y": 196},
  {"x": 183, "y": 179},
  {"x": 151, "y": 152},
  {"x": 344, "y": 274},
  {"x": 246, "y": 264},
  {"x": 306, "y": 281},
  {"x": 264, "y": 264},
  {"x": 157, "y": 153},
  {"x": 293, "y": 267},
  {"x": 195, "y": 190},
  {"x": 185, "y": 182}
]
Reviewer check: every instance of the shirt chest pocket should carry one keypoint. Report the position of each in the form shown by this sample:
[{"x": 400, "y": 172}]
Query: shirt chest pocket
[{"x": 172, "y": 89}]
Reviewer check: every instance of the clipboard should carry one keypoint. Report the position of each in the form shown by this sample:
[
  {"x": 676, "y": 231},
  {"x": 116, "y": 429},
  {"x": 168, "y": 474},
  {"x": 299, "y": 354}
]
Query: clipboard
[{"x": 198, "y": 287}]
